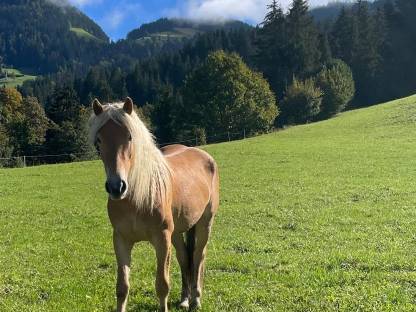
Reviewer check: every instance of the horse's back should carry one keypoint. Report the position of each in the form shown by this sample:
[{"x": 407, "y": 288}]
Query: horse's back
[
  {"x": 173, "y": 149},
  {"x": 180, "y": 155},
  {"x": 195, "y": 183}
]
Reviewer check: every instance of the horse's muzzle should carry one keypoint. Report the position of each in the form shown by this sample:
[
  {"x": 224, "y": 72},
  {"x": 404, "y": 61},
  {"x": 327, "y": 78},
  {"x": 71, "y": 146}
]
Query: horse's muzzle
[{"x": 116, "y": 188}]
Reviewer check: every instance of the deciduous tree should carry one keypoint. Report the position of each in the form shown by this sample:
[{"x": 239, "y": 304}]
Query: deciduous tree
[{"x": 225, "y": 95}]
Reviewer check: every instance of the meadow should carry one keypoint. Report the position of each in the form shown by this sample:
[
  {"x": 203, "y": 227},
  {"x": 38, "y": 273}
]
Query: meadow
[
  {"x": 319, "y": 217},
  {"x": 15, "y": 78},
  {"x": 82, "y": 33}
]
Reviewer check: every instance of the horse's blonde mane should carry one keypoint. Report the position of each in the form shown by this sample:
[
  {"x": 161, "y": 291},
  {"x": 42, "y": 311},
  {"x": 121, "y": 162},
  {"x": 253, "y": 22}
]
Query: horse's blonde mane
[{"x": 150, "y": 177}]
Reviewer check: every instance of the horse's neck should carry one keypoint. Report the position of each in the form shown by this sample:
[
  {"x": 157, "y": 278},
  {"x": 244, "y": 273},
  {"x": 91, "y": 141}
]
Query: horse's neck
[{"x": 151, "y": 180}]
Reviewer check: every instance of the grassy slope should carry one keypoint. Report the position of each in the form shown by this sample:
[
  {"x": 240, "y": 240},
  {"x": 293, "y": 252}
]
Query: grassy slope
[
  {"x": 17, "y": 80},
  {"x": 177, "y": 33},
  {"x": 314, "y": 218},
  {"x": 82, "y": 33}
]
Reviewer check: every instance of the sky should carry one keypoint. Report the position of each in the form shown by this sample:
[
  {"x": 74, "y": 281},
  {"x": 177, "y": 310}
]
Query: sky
[{"x": 118, "y": 17}]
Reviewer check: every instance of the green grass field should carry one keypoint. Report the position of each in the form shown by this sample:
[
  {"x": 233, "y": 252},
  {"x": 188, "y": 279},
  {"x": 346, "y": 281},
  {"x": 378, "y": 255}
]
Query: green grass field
[
  {"x": 16, "y": 78},
  {"x": 320, "y": 217}
]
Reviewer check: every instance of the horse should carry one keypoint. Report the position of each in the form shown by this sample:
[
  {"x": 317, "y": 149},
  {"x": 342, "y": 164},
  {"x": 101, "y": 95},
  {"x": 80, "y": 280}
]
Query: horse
[{"x": 165, "y": 196}]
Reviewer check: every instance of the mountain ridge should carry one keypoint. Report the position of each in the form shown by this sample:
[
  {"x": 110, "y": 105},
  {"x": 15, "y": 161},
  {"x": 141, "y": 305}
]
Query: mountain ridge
[{"x": 180, "y": 27}]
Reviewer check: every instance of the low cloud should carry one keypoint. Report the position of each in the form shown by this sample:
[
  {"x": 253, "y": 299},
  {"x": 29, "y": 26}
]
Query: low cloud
[
  {"x": 217, "y": 10},
  {"x": 252, "y": 10},
  {"x": 82, "y": 3},
  {"x": 78, "y": 3}
]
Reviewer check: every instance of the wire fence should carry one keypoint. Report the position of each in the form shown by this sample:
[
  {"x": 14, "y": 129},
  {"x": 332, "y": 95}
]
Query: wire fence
[{"x": 37, "y": 160}]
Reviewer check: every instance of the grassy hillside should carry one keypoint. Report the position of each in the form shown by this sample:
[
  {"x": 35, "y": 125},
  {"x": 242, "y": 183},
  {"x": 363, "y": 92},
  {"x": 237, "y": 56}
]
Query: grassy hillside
[
  {"x": 175, "y": 33},
  {"x": 82, "y": 33},
  {"x": 14, "y": 78},
  {"x": 37, "y": 35},
  {"x": 314, "y": 218},
  {"x": 180, "y": 28}
]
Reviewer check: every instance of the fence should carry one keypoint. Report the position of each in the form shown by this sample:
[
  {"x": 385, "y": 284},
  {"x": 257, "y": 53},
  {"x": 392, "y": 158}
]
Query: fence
[{"x": 36, "y": 160}]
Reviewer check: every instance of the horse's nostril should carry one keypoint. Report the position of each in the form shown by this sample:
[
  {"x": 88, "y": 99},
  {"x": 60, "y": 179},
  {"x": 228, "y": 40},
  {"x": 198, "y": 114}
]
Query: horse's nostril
[
  {"x": 123, "y": 186},
  {"x": 107, "y": 187},
  {"x": 116, "y": 187}
]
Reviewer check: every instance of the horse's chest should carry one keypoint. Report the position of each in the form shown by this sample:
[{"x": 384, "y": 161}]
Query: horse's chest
[{"x": 130, "y": 225}]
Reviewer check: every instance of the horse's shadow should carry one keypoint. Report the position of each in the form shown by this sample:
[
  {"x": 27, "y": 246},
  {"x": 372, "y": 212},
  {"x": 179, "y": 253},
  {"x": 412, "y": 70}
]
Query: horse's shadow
[
  {"x": 138, "y": 307},
  {"x": 147, "y": 307}
]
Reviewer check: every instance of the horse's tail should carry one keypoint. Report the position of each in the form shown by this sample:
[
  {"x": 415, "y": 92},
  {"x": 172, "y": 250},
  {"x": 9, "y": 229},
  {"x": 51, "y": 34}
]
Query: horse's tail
[{"x": 190, "y": 247}]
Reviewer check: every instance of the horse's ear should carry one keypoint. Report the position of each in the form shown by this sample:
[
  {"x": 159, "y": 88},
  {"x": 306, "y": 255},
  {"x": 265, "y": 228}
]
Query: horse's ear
[
  {"x": 97, "y": 107},
  {"x": 128, "y": 106}
]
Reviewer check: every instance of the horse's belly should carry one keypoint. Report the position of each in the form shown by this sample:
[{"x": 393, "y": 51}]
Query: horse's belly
[{"x": 185, "y": 218}]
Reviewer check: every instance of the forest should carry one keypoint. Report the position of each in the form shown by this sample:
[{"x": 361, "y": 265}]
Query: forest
[{"x": 293, "y": 68}]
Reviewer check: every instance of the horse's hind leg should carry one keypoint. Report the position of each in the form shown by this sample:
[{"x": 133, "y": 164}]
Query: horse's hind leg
[
  {"x": 183, "y": 259},
  {"x": 202, "y": 232}
]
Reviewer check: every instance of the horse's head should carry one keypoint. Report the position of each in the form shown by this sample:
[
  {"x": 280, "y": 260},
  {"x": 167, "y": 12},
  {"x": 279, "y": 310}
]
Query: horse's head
[{"x": 113, "y": 141}]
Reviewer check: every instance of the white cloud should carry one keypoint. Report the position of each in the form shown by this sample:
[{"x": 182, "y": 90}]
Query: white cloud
[
  {"x": 252, "y": 10},
  {"x": 78, "y": 3},
  {"x": 249, "y": 10},
  {"x": 114, "y": 18},
  {"x": 82, "y": 3},
  {"x": 124, "y": 10}
]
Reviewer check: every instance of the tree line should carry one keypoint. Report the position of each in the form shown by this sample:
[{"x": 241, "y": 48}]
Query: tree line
[{"x": 288, "y": 70}]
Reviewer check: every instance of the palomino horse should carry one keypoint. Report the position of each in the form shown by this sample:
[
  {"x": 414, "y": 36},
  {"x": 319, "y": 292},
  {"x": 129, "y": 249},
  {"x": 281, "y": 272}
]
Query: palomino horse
[{"x": 155, "y": 196}]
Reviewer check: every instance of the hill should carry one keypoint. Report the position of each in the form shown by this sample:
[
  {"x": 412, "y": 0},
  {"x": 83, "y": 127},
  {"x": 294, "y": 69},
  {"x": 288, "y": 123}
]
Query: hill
[
  {"x": 45, "y": 36},
  {"x": 333, "y": 8},
  {"x": 329, "y": 11},
  {"x": 180, "y": 28},
  {"x": 313, "y": 218},
  {"x": 40, "y": 37}
]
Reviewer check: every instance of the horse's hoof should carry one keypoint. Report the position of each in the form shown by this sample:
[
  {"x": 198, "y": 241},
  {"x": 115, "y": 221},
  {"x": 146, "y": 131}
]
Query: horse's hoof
[
  {"x": 196, "y": 304},
  {"x": 184, "y": 304}
]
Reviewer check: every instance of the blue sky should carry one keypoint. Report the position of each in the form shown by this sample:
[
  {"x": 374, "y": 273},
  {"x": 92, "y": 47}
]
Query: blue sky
[{"x": 118, "y": 17}]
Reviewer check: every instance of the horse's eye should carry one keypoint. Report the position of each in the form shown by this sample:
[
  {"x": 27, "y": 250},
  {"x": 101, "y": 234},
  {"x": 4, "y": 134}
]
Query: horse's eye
[{"x": 130, "y": 137}]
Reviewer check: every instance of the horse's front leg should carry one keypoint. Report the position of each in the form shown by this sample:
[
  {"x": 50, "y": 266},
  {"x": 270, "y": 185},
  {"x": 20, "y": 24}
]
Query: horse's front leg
[
  {"x": 162, "y": 245},
  {"x": 122, "y": 249}
]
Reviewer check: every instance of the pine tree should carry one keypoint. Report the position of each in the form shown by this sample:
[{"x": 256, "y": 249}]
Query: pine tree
[
  {"x": 343, "y": 36},
  {"x": 384, "y": 50},
  {"x": 118, "y": 84},
  {"x": 402, "y": 33},
  {"x": 68, "y": 131},
  {"x": 63, "y": 105},
  {"x": 325, "y": 48},
  {"x": 271, "y": 48},
  {"x": 303, "y": 41},
  {"x": 273, "y": 15},
  {"x": 366, "y": 57},
  {"x": 162, "y": 114},
  {"x": 394, "y": 81}
]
